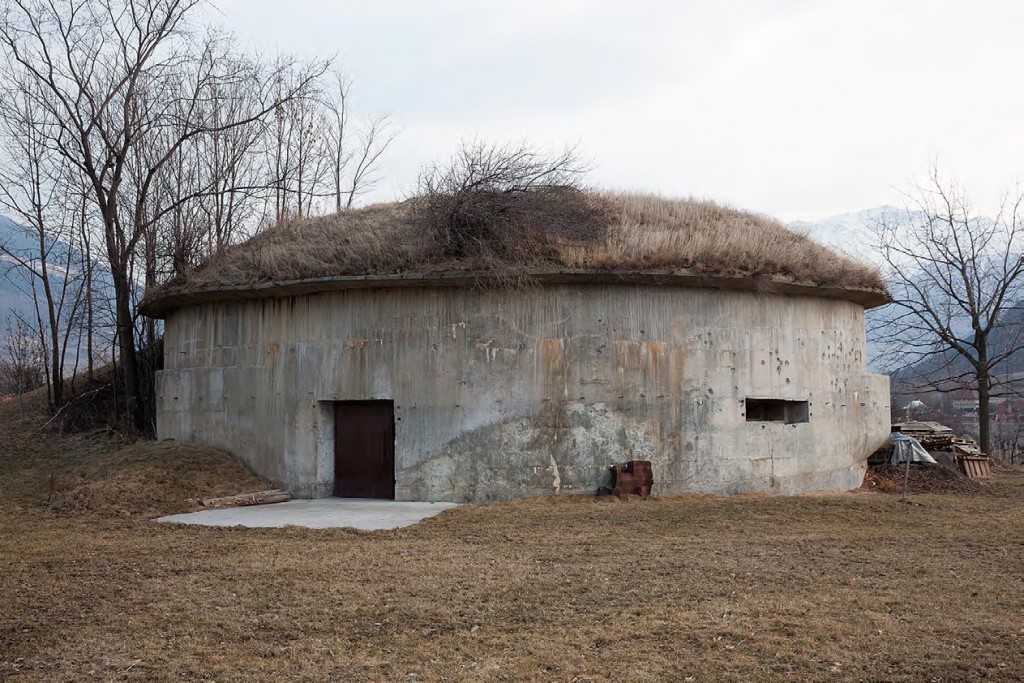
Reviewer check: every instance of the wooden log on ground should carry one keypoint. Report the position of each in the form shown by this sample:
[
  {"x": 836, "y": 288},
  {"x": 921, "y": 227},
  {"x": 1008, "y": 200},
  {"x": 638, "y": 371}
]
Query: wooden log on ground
[{"x": 241, "y": 499}]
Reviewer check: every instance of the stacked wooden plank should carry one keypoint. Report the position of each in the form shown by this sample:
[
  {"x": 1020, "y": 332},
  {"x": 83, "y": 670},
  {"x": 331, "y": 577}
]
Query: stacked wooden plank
[
  {"x": 932, "y": 435},
  {"x": 937, "y": 438}
]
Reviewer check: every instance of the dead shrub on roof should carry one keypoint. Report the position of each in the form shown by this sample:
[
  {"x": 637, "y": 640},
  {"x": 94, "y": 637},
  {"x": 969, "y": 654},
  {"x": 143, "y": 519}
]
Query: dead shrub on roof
[{"x": 508, "y": 206}]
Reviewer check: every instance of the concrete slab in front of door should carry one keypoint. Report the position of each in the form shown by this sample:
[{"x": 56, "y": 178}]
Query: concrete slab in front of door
[{"x": 320, "y": 513}]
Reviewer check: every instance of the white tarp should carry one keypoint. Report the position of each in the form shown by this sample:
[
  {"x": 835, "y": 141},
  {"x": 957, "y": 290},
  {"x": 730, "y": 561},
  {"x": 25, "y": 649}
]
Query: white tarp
[{"x": 907, "y": 447}]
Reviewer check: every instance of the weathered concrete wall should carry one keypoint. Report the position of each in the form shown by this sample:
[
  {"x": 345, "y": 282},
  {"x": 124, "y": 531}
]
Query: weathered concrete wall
[{"x": 502, "y": 394}]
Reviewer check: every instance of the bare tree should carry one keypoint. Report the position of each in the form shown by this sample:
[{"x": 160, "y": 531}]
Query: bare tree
[
  {"x": 318, "y": 152},
  {"x": 88, "y": 328},
  {"x": 230, "y": 160},
  {"x": 337, "y": 130},
  {"x": 372, "y": 142},
  {"x": 122, "y": 85},
  {"x": 1008, "y": 439},
  {"x": 34, "y": 187},
  {"x": 309, "y": 153},
  {"x": 21, "y": 366},
  {"x": 294, "y": 150},
  {"x": 957, "y": 284}
]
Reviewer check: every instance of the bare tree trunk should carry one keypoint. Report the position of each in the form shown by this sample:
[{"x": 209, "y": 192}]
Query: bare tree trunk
[
  {"x": 90, "y": 327},
  {"x": 984, "y": 416},
  {"x": 56, "y": 377},
  {"x": 126, "y": 340}
]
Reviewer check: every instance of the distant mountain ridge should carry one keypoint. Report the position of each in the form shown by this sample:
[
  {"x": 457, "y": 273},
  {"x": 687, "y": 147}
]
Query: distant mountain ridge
[
  {"x": 851, "y": 233},
  {"x": 11, "y": 297},
  {"x": 854, "y": 234},
  {"x": 15, "y": 287}
]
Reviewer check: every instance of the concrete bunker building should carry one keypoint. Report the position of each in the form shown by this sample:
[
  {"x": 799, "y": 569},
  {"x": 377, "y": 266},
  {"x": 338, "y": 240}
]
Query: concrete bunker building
[{"x": 420, "y": 379}]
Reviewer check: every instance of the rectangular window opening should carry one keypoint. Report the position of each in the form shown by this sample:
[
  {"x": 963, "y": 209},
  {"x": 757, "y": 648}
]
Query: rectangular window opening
[{"x": 777, "y": 410}]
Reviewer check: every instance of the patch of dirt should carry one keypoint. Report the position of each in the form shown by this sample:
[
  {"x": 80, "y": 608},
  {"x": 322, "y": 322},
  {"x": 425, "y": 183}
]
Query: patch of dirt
[
  {"x": 874, "y": 481},
  {"x": 923, "y": 479}
]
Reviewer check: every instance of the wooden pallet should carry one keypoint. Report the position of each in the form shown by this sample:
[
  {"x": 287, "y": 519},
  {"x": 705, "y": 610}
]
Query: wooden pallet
[{"x": 974, "y": 466}]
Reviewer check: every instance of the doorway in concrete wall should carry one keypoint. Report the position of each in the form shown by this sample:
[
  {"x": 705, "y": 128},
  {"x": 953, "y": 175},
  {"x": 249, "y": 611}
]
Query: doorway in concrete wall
[{"x": 364, "y": 449}]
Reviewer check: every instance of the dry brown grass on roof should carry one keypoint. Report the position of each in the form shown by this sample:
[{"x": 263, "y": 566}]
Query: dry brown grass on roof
[
  {"x": 376, "y": 239},
  {"x": 653, "y": 232},
  {"x": 635, "y": 232}
]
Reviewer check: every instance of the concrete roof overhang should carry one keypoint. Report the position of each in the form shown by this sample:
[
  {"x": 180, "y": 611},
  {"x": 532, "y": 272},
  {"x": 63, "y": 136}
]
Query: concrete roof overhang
[{"x": 160, "y": 306}]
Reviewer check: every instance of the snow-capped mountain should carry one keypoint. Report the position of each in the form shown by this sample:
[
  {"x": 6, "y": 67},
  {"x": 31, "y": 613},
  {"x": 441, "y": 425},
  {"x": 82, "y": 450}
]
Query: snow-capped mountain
[
  {"x": 856, "y": 233},
  {"x": 853, "y": 234}
]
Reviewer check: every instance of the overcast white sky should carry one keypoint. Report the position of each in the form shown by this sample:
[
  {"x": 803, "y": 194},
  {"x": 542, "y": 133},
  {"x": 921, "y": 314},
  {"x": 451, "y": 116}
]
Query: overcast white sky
[{"x": 797, "y": 108}]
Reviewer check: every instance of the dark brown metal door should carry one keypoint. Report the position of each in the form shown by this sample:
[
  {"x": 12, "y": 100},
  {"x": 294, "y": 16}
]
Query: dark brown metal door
[{"x": 364, "y": 449}]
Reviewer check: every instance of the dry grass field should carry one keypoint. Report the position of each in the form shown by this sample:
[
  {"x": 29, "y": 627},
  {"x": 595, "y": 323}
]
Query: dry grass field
[{"x": 832, "y": 587}]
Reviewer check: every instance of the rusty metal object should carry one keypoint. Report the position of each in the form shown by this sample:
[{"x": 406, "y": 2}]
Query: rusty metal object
[{"x": 631, "y": 478}]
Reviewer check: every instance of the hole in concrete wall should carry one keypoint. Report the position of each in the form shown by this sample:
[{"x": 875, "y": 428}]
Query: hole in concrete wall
[{"x": 777, "y": 410}]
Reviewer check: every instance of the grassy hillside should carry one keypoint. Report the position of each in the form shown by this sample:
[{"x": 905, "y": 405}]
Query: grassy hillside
[{"x": 44, "y": 472}]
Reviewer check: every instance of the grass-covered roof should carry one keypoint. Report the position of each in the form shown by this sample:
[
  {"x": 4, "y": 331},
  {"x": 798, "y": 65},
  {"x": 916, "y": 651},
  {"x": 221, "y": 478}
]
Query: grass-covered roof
[{"x": 502, "y": 239}]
